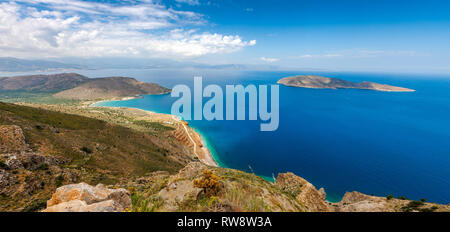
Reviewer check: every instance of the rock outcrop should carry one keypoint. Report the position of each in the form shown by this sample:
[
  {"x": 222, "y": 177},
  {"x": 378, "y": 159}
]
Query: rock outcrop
[
  {"x": 238, "y": 192},
  {"x": 359, "y": 202},
  {"x": 85, "y": 198},
  {"x": 12, "y": 139},
  {"x": 303, "y": 191}
]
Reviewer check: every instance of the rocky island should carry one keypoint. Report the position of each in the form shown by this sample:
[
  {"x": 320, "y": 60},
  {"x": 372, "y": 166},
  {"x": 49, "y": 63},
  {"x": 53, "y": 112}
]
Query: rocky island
[{"x": 319, "y": 82}]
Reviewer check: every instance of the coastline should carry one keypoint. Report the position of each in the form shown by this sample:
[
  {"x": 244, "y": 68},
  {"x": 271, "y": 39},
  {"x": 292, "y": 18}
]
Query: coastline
[
  {"x": 121, "y": 99},
  {"x": 198, "y": 143}
]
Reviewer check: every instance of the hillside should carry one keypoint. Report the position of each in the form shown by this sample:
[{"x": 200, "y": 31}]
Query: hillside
[
  {"x": 41, "y": 150},
  {"x": 42, "y": 83},
  {"x": 72, "y": 87},
  {"x": 318, "y": 82},
  {"x": 111, "y": 87}
]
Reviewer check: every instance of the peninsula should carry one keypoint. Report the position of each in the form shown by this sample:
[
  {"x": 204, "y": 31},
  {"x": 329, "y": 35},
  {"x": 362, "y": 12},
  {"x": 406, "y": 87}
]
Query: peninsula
[{"x": 319, "y": 82}]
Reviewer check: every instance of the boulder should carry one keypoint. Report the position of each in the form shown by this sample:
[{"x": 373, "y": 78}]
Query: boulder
[
  {"x": 81, "y": 206},
  {"x": 86, "y": 198},
  {"x": 13, "y": 162},
  {"x": 30, "y": 161}
]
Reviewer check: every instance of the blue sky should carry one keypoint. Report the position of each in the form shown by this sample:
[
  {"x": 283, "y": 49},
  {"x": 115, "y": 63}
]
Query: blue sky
[{"x": 347, "y": 35}]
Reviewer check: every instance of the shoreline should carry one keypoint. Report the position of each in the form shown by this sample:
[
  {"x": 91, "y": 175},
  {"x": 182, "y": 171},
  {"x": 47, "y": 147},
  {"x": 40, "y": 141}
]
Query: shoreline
[
  {"x": 122, "y": 99},
  {"x": 200, "y": 146}
]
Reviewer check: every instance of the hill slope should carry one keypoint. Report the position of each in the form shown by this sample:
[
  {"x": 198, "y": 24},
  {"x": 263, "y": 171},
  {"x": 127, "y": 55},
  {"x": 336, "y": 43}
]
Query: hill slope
[
  {"x": 41, "y": 150},
  {"x": 111, "y": 87},
  {"x": 318, "y": 82}
]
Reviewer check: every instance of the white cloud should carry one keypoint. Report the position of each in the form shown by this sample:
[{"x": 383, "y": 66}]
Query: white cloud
[
  {"x": 189, "y": 2},
  {"x": 358, "y": 53},
  {"x": 377, "y": 53},
  {"x": 306, "y": 56},
  {"x": 59, "y": 28},
  {"x": 269, "y": 60}
]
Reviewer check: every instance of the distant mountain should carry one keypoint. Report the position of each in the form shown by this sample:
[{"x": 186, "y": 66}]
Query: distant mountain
[
  {"x": 8, "y": 64},
  {"x": 76, "y": 86},
  {"x": 318, "y": 82},
  {"x": 111, "y": 87},
  {"x": 42, "y": 83}
]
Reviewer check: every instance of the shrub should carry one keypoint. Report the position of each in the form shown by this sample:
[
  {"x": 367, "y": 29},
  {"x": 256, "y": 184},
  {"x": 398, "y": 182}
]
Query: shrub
[
  {"x": 209, "y": 182},
  {"x": 43, "y": 166},
  {"x": 423, "y": 200},
  {"x": 3, "y": 165},
  {"x": 35, "y": 206},
  {"x": 415, "y": 204},
  {"x": 390, "y": 197},
  {"x": 402, "y": 198},
  {"x": 429, "y": 210},
  {"x": 59, "y": 180},
  {"x": 87, "y": 150}
]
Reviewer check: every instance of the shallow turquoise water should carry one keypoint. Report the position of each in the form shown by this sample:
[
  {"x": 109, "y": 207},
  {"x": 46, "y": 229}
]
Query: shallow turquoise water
[{"x": 343, "y": 140}]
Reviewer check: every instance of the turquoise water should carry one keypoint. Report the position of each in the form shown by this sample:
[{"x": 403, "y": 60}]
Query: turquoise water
[{"x": 343, "y": 140}]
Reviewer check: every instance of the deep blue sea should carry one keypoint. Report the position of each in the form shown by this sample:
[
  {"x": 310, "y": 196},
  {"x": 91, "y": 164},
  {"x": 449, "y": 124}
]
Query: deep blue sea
[{"x": 343, "y": 140}]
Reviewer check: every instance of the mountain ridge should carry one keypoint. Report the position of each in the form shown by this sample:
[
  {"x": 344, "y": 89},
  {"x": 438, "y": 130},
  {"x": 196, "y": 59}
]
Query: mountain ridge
[
  {"x": 42, "y": 83},
  {"x": 9, "y": 64},
  {"x": 78, "y": 87}
]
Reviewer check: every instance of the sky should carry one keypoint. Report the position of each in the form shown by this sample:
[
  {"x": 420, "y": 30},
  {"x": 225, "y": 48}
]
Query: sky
[{"x": 345, "y": 35}]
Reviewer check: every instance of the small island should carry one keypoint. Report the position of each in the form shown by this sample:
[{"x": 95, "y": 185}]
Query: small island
[{"x": 319, "y": 82}]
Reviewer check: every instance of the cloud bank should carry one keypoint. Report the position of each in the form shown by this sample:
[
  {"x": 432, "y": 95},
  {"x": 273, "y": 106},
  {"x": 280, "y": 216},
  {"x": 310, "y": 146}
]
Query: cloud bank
[
  {"x": 269, "y": 60},
  {"x": 72, "y": 28}
]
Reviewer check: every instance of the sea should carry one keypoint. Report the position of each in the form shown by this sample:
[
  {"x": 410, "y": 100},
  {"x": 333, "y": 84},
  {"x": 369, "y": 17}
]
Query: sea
[{"x": 379, "y": 143}]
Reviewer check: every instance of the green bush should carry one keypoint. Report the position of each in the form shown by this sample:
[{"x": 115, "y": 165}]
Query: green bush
[
  {"x": 59, "y": 180},
  {"x": 390, "y": 197},
  {"x": 3, "y": 165},
  {"x": 35, "y": 206},
  {"x": 428, "y": 210},
  {"x": 86, "y": 149},
  {"x": 43, "y": 166},
  {"x": 415, "y": 204}
]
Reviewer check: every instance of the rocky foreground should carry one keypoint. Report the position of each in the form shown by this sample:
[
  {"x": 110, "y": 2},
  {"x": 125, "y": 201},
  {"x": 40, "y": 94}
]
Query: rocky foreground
[
  {"x": 238, "y": 192},
  {"x": 318, "y": 82}
]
